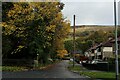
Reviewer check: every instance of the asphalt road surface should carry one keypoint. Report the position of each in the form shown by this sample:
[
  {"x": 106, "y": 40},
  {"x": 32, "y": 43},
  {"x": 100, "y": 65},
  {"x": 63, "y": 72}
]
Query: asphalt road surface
[{"x": 57, "y": 71}]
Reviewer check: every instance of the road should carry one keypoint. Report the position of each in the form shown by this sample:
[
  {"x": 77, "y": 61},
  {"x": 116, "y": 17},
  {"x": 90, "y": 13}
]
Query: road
[{"x": 57, "y": 71}]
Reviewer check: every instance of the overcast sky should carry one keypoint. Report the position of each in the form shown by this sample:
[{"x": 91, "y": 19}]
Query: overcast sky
[{"x": 89, "y": 12}]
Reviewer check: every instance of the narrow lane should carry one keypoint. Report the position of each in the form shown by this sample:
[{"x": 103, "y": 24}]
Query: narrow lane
[
  {"x": 60, "y": 71},
  {"x": 57, "y": 71}
]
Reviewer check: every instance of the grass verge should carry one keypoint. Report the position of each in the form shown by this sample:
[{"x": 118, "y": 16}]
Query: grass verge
[
  {"x": 0, "y": 68},
  {"x": 70, "y": 62},
  {"x": 75, "y": 68},
  {"x": 93, "y": 74},
  {"x": 12, "y": 68},
  {"x": 22, "y": 68},
  {"x": 99, "y": 75}
]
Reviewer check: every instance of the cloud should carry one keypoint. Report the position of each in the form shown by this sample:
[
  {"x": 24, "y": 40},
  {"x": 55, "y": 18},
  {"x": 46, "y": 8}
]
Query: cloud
[
  {"x": 119, "y": 13},
  {"x": 88, "y": 0},
  {"x": 89, "y": 12}
]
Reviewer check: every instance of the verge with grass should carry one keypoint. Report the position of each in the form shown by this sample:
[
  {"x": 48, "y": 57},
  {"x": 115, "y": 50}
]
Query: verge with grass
[
  {"x": 99, "y": 75},
  {"x": 0, "y": 68},
  {"x": 70, "y": 62},
  {"x": 23, "y": 68},
  {"x": 12, "y": 68},
  {"x": 76, "y": 68},
  {"x": 92, "y": 74}
]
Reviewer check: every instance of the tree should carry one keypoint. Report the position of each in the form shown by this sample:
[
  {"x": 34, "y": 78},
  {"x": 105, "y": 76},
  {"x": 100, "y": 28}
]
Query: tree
[
  {"x": 62, "y": 53},
  {"x": 69, "y": 45},
  {"x": 82, "y": 45},
  {"x": 35, "y": 28}
]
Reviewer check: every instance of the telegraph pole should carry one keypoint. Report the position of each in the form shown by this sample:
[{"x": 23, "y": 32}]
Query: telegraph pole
[
  {"x": 74, "y": 42},
  {"x": 116, "y": 43}
]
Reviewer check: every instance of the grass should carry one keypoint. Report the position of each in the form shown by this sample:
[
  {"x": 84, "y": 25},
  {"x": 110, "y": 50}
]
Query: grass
[
  {"x": 99, "y": 75},
  {"x": 97, "y": 28},
  {"x": 12, "y": 68},
  {"x": 70, "y": 38},
  {"x": 70, "y": 62},
  {"x": 75, "y": 68},
  {"x": 89, "y": 29},
  {"x": 0, "y": 68},
  {"x": 93, "y": 74},
  {"x": 22, "y": 68}
]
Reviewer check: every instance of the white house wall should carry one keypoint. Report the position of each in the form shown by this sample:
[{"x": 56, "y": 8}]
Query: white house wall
[
  {"x": 86, "y": 54},
  {"x": 99, "y": 53},
  {"x": 107, "y": 52},
  {"x": 95, "y": 51},
  {"x": 92, "y": 54},
  {"x": 107, "y": 49}
]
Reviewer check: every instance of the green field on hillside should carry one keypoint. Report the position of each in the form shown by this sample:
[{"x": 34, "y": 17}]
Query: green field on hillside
[{"x": 88, "y": 30}]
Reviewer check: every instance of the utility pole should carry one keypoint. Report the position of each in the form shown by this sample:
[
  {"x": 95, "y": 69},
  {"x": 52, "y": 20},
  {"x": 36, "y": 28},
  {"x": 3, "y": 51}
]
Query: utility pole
[
  {"x": 74, "y": 42},
  {"x": 116, "y": 43}
]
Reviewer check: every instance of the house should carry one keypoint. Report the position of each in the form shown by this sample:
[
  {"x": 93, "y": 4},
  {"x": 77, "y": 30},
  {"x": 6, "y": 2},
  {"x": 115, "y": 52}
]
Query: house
[
  {"x": 113, "y": 42},
  {"x": 103, "y": 50},
  {"x": 107, "y": 49},
  {"x": 100, "y": 51},
  {"x": 76, "y": 53},
  {"x": 92, "y": 53}
]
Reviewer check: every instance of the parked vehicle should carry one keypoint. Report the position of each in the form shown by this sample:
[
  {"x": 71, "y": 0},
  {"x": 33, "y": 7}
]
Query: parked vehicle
[
  {"x": 71, "y": 59},
  {"x": 96, "y": 61},
  {"x": 84, "y": 61}
]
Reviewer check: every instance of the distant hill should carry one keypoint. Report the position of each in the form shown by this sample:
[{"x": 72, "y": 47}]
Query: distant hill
[
  {"x": 87, "y": 30},
  {"x": 92, "y": 28}
]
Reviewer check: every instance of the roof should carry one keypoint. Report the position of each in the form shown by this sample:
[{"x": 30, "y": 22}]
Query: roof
[
  {"x": 117, "y": 38},
  {"x": 104, "y": 44},
  {"x": 107, "y": 43},
  {"x": 95, "y": 47}
]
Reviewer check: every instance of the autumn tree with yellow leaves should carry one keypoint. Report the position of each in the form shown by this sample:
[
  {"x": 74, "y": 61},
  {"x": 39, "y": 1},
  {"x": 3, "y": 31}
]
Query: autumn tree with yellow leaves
[
  {"x": 31, "y": 28},
  {"x": 62, "y": 53}
]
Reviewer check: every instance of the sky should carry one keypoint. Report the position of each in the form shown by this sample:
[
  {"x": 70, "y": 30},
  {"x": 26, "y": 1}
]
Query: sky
[
  {"x": 119, "y": 12},
  {"x": 89, "y": 12}
]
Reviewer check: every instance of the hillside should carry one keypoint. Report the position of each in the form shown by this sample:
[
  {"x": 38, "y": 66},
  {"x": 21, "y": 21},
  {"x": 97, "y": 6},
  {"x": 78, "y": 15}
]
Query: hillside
[
  {"x": 92, "y": 28},
  {"x": 87, "y": 36},
  {"x": 86, "y": 30}
]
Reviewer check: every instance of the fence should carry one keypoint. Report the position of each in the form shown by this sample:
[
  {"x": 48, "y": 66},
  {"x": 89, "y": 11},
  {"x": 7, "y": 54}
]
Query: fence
[{"x": 101, "y": 67}]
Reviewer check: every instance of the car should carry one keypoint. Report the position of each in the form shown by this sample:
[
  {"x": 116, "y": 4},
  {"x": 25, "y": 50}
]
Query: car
[
  {"x": 71, "y": 59},
  {"x": 84, "y": 61},
  {"x": 95, "y": 61}
]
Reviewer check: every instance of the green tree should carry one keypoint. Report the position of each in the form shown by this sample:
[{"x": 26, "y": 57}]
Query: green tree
[
  {"x": 35, "y": 28},
  {"x": 82, "y": 45},
  {"x": 69, "y": 45}
]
